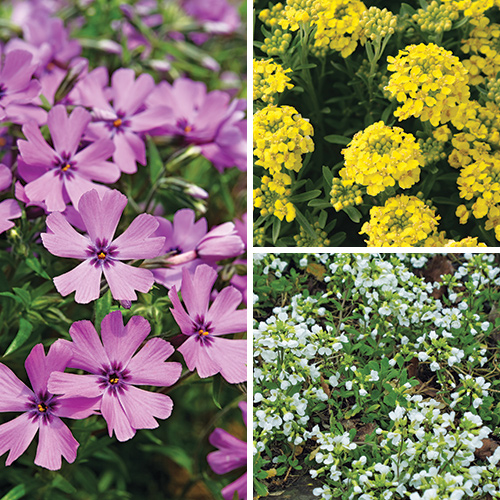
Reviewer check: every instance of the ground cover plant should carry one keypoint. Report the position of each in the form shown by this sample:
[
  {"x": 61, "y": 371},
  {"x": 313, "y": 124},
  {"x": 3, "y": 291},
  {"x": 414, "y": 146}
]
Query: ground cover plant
[
  {"x": 122, "y": 250},
  {"x": 376, "y": 123},
  {"x": 377, "y": 376}
]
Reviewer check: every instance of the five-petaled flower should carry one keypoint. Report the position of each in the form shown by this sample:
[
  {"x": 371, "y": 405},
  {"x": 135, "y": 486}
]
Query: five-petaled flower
[
  {"x": 100, "y": 252},
  {"x": 115, "y": 371},
  {"x": 205, "y": 350},
  {"x": 41, "y": 409}
]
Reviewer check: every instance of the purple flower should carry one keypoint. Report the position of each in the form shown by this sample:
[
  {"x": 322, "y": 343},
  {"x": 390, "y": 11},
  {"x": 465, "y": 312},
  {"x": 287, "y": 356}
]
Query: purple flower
[
  {"x": 16, "y": 85},
  {"x": 115, "y": 371},
  {"x": 5, "y": 177},
  {"x": 127, "y": 119},
  {"x": 9, "y": 209},
  {"x": 100, "y": 252},
  {"x": 231, "y": 454},
  {"x": 208, "y": 120},
  {"x": 216, "y": 16},
  {"x": 41, "y": 410},
  {"x": 205, "y": 350},
  {"x": 191, "y": 245},
  {"x": 57, "y": 175}
]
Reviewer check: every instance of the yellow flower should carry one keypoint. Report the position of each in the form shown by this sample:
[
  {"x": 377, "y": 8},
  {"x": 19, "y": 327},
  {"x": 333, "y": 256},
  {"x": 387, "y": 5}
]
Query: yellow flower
[
  {"x": 376, "y": 23},
  {"x": 403, "y": 221},
  {"x": 345, "y": 193},
  {"x": 440, "y": 240},
  {"x": 462, "y": 213},
  {"x": 280, "y": 137},
  {"x": 380, "y": 156},
  {"x": 429, "y": 81},
  {"x": 299, "y": 12},
  {"x": 270, "y": 202},
  {"x": 284, "y": 209},
  {"x": 269, "y": 79},
  {"x": 338, "y": 25}
]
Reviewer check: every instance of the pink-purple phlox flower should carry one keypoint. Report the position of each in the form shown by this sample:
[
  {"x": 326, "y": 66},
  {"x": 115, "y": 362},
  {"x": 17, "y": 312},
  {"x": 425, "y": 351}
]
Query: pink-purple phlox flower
[
  {"x": 63, "y": 173},
  {"x": 231, "y": 455},
  {"x": 208, "y": 120},
  {"x": 17, "y": 88},
  {"x": 100, "y": 251},
  {"x": 114, "y": 371},
  {"x": 191, "y": 245},
  {"x": 9, "y": 209},
  {"x": 205, "y": 350},
  {"x": 217, "y": 16},
  {"x": 126, "y": 119},
  {"x": 41, "y": 409}
]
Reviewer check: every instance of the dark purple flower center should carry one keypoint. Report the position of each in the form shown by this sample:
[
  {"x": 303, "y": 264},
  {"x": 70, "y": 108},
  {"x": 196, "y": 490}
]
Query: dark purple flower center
[
  {"x": 114, "y": 378},
  {"x": 203, "y": 330},
  {"x": 174, "y": 250},
  {"x": 184, "y": 125},
  {"x": 102, "y": 253},
  {"x": 118, "y": 124},
  {"x": 3, "y": 90},
  {"x": 43, "y": 406},
  {"x": 66, "y": 166}
]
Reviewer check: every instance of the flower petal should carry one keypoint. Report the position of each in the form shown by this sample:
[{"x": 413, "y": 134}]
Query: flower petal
[
  {"x": 179, "y": 313},
  {"x": 85, "y": 279},
  {"x": 36, "y": 151},
  {"x": 88, "y": 352},
  {"x": 102, "y": 214},
  {"x": 9, "y": 209},
  {"x": 136, "y": 241},
  {"x": 77, "y": 185},
  {"x": 120, "y": 342},
  {"x": 116, "y": 417},
  {"x": 223, "y": 314},
  {"x": 62, "y": 239},
  {"x": 123, "y": 280},
  {"x": 196, "y": 289},
  {"x": 141, "y": 407},
  {"x": 49, "y": 189},
  {"x": 67, "y": 131},
  {"x": 232, "y": 452},
  {"x": 14, "y": 395},
  {"x": 55, "y": 441},
  {"x": 16, "y": 436},
  {"x": 129, "y": 149},
  {"x": 148, "y": 366},
  {"x": 128, "y": 93},
  {"x": 72, "y": 385}
]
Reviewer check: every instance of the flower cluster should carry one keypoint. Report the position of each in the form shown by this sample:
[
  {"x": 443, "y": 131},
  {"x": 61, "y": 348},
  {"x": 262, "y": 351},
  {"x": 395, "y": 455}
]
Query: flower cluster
[
  {"x": 381, "y": 156},
  {"x": 437, "y": 17},
  {"x": 395, "y": 350},
  {"x": 269, "y": 79},
  {"x": 429, "y": 81},
  {"x": 345, "y": 193},
  {"x": 402, "y": 221}
]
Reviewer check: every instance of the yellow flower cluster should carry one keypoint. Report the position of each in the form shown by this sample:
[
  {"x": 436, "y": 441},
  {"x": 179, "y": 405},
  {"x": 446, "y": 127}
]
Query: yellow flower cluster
[
  {"x": 471, "y": 8},
  {"x": 269, "y": 79},
  {"x": 481, "y": 181},
  {"x": 345, "y": 193},
  {"x": 437, "y": 17},
  {"x": 403, "y": 221},
  {"x": 380, "y": 156},
  {"x": 493, "y": 87},
  {"x": 279, "y": 41},
  {"x": 259, "y": 236},
  {"x": 280, "y": 137},
  {"x": 338, "y": 25},
  {"x": 440, "y": 240},
  {"x": 271, "y": 202},
  {"x": 303, "y": 239},
  {"x": 484, "y": 46},
  {"x": 299, "y": 12},
  {"x": 429, "y": 81}
]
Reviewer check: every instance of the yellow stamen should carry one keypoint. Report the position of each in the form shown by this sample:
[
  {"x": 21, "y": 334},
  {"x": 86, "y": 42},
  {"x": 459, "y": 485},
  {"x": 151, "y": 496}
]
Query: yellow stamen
[
  {"x": 114, "y": 380},
  {"x": 117, "y": 122},
  {"x": 41, "y": 407},
  {"x": 101, "y": 255},
  {"x": 188, "y": 128},
  {"x": 66, "y": 167},
  {"x": 203, "y": 332}
]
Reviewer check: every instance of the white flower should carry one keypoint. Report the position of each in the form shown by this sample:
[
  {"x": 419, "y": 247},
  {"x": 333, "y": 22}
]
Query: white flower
[{"x": 374, "y": 376}]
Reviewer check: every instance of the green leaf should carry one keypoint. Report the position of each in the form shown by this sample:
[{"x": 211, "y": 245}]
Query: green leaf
[
  {"x": 25, "y": 329},
  {"x": 216, "y": 391},
  {"x": 319, "y": 204},
  {"x": 327, "y": 174},
  {"x": 305, "y": 224},
  {"x": 276, "y": 229},
  {"x": 12, "y": 296},
  {"x": 406, "y": 9},
  {"x": 305, "y": 196},
  {"x": 338, "y": 239},
  {"x": 63, "y": 484},
  {"x": 259, "y": 488},
  {"x": 353, "y": 213},
  {"x": 338, "y": 139},
  {"x": 154, "y": 159},
  {"x": 35, "y": 265},
  {"x": 102, "y": 307},
  {"x": 17, "y": 492},
  {"x": 24, "y": 295}
]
